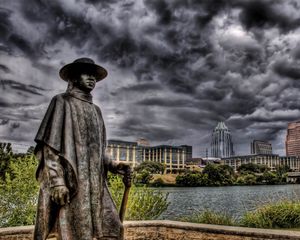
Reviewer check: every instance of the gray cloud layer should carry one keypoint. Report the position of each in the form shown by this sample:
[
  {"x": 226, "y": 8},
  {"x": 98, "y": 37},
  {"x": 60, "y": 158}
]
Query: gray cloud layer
[{"x": 176, "y": 68}]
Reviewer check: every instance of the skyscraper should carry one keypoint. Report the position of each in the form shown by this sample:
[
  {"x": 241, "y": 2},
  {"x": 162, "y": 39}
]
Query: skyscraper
[
  {"x": 221, "y": 144},
  {"x": 292, "y": 143}
]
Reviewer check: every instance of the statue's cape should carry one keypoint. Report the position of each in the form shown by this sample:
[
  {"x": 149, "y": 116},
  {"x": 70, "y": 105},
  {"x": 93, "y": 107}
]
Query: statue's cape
[{"x": 56, "y": 131}]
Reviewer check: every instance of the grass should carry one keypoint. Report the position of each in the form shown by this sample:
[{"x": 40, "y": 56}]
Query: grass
[
  {"x": 284, "y": 214},
  {"x": 210, "y": 217}
]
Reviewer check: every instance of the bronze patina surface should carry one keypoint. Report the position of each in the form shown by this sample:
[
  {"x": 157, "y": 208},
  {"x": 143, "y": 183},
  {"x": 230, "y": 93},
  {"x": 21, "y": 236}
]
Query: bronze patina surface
[{"x": 74, "y": 200}]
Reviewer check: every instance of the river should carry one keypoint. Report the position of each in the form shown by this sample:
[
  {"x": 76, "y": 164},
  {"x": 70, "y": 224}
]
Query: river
[{"x": 233, "y": 200}]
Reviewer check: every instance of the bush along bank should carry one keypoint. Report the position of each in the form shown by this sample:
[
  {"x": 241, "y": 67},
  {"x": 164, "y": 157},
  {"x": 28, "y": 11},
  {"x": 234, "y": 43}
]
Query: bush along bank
[
  {"x": 279, "y": 215},
  {"x": 223, "y": 175}
]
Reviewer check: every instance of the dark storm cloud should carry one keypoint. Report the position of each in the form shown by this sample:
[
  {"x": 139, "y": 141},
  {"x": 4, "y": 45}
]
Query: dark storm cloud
[
  {"x": 4, "y": 121},
  {"x": 192, "y": 118},
  {"x": 287, "y": 69},
  {"x": 4, "y": 68},
  {"x": 5, "y": 26},
  {"x": 21, "y": 43},
  {"x": 15, "y": 125},
  {"x": 143, "y": 87},
  {"x": 266, "y": 14},
  {"x": 183, "y": 64},
  {"x": 151, "y": 132},
  {"x": 166, "y": 102},
  {"x": 162, "y": 10},
  {"x": 7, "y": 83}
]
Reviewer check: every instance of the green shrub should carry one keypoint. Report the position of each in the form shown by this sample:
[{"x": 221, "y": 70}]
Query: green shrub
[
  {"x": 18, "y": 192},
  {"x": 151, "y": 167},
  {"x": 270, "y": 178},
  {"x": 158, "y": 182},
  {"x": 248, "y": 179},
  {"x": 252, "y": 168},
  {"x": 210, "y": 217},
  {"x": 144, "y": 177},
  {"x": 144, "y": 203},
  {"x": 283, "y": 214}
]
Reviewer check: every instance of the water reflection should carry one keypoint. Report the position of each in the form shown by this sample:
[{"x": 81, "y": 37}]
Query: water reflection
[{"x": 234, "y": 200}]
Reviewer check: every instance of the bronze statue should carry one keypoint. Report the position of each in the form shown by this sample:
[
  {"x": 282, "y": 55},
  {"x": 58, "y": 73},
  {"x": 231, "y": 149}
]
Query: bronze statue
[{"x": 74, "y": 200}]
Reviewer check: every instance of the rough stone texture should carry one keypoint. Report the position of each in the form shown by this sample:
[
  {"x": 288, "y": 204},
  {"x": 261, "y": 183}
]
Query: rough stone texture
[{"x": 171, "y": 230}]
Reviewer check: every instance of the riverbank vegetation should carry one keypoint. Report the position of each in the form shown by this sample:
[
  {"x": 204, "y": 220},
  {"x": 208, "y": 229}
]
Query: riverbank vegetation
[
  {"x": 223, "y": 175},
  {"x": 281, "y": 214},
  {"x": 151, "y": 174},
  {"x": 144, "y": 203}
]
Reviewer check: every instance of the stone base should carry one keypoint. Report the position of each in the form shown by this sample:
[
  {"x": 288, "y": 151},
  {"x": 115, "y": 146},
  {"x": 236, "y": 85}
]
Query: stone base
[{"x": 172, "y": 230}]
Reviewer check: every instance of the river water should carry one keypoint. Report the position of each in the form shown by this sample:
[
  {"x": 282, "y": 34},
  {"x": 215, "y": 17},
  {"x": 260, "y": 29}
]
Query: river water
[{"x": 233, "y": 200}]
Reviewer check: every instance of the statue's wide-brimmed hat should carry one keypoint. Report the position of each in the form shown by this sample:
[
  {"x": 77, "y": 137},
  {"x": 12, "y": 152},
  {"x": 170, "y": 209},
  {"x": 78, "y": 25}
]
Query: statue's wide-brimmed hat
[{"x": 82, "y": 65}]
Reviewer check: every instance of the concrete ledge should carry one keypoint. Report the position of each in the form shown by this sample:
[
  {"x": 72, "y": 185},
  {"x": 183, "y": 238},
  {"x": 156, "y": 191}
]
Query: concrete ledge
[
  {"x": 256, "y": 233},
  {"x": 164, "y": 229}
]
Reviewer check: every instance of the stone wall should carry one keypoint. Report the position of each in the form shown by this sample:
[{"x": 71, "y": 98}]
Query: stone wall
[{"x": 171, "y": 230}]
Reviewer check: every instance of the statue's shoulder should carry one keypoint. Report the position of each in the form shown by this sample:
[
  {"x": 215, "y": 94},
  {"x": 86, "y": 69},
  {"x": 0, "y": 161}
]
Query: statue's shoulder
[
  {"x": 61, "y": 97},
  {"x": 97, "y": 108}
]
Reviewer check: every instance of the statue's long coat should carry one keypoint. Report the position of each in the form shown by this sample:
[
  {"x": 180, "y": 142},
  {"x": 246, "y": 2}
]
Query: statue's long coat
[{"x": 73, "y": 128}]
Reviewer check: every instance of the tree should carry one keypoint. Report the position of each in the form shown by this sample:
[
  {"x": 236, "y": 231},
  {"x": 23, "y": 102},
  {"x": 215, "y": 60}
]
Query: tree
[
  {"x": 18, "y": 192},
  {"x": 219, "y": 174},
  {"x": 192, "y": 179},
  {"x": 270, "y": 178},
  {"x": 281, "y": 173},
  {"x": 143, "y": 177},
  {"x": 252, "y": 168},
  {"x": 247, "y": 179},
  {"x": 151, "y": 167},
  {"x": 5, "y": 158}
]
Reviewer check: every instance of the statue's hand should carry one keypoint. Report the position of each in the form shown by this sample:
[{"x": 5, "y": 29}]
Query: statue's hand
[
  {"x": 127, "y": 175},
  {"x": 60, "y": 195}
]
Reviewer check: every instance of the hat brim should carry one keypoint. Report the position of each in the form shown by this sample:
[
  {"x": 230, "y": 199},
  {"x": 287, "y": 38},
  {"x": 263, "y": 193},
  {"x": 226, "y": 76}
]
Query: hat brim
[{"x": 67, "y": 71}]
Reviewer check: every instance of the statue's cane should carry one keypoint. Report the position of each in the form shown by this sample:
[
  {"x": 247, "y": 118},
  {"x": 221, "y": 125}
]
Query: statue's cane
[{"x": 124, "y": 202}]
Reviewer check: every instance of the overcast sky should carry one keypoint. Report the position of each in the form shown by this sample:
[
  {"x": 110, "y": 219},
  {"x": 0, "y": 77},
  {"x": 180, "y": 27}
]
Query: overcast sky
[{"x": 175, "y": 68}]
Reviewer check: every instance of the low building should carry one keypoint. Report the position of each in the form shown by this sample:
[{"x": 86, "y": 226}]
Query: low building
[
  {"x": 123, "y": 151},
  {"x": 194, "y": 164},
  {"x": 261, "y": 147},
  {"x": 292, "y": 161},
  {"x": 174, "y": 157},
  {"x": 208, "y": 160},
  {"x": 270, "y": 160}
]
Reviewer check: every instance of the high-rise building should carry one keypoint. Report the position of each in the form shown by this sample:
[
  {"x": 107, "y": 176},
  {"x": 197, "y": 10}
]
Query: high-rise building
[
  {"x": 221, "y": 144},
  {"x": 292, "y": 143},
  {"x": 261, "y": 147}
]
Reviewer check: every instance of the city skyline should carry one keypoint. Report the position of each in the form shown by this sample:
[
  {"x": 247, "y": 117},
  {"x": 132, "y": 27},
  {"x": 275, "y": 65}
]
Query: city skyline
[{"x": 175, "y": 68}]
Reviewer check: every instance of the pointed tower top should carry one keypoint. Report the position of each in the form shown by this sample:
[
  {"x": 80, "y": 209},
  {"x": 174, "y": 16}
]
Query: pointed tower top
[{"x": 221, "y": 126}]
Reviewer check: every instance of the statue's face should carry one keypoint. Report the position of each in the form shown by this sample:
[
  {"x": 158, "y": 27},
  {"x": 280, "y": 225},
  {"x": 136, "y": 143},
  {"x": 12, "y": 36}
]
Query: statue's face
[{"x": 86, "y": 82}]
